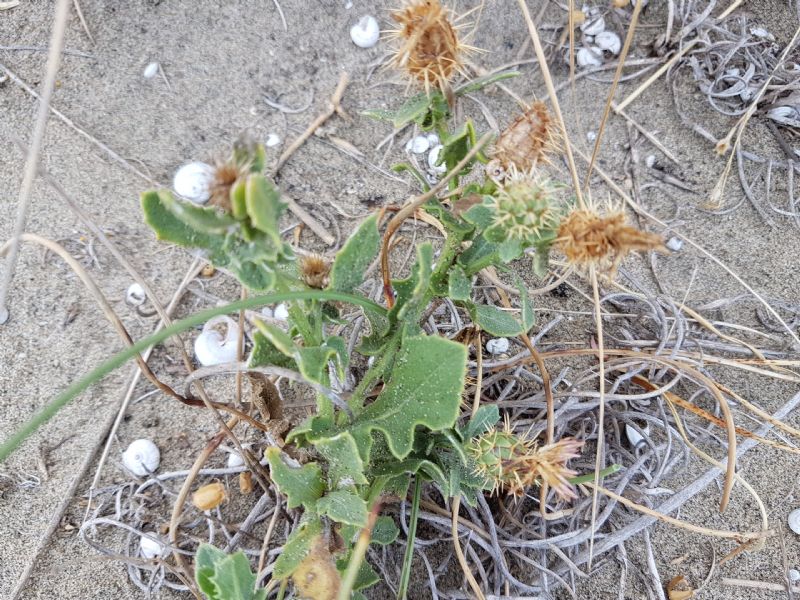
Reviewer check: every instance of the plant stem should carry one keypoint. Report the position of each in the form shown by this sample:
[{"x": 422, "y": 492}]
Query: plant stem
[
  {"x": 589, "y": 477},
  {"x": 357, "y": 557},
  {"x": 405, "y": 575},
  {"x": 49, "y": 411}
]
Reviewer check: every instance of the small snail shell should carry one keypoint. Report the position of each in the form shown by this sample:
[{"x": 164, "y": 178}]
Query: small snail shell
[
  {"x": 281, "y": 312},
  {"x": 193, "y": 181},
  {"x": 497, "y": 345},
  {"x": 593, "y": 25},
  {"x": 150, "y": 71},
  {"x": 433, "y": 140},
  {"x": 674, "y": 244},
  {"x": 587, "y": 58},
  {"x": 272, "y": 140},
  {"x": 608, "y": 40},
  {"x": 150, "y": 548},
  {"x": 209, "y": 496},
  {"x": 211, "y": 348},
  {"x": 794, "y": 521},
  {"x": 419, "y": 144},
  {"x": 635, "y": 438},
  {"x": 235, "y": 460},
  {"x": 366, "y": 32},
  {"x": 135, "y": 295},
  {"x": 433, "y": 158},
  {"x": 141, "y": 458},
  {"x": 794, "y": 575}
]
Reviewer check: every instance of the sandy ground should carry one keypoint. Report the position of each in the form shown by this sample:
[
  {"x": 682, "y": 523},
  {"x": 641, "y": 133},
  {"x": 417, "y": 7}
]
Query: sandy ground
[{"x": 220, "y": 59}]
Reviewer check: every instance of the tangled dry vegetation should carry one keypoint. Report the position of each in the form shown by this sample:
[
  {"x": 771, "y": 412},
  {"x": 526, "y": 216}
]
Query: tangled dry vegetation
[{"x": 553, "y": 444}]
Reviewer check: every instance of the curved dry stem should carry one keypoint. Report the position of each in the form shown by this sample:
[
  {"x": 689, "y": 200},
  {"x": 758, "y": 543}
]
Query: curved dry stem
[
  {"x": 412, "y": 205},
  {"x": 731, "y": 535},
  {"x": 462, "y": 561}
]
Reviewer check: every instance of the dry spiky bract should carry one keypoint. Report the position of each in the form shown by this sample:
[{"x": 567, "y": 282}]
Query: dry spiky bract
[
  {"x": 589, "y": 239},
  {"x": 429, "y": 49},
  {"x": 315, "y": 271},
  {"x": 225, "y": 175},
  {"x": 528, "y": 140}
]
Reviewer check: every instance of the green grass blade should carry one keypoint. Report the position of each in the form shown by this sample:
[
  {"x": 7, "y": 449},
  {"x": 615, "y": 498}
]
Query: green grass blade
[{"x": 64, "y": 398}]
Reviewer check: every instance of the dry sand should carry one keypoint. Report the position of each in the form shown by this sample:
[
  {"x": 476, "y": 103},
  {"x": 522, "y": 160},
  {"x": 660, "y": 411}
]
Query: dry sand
[{"x": 220, "y": 59}]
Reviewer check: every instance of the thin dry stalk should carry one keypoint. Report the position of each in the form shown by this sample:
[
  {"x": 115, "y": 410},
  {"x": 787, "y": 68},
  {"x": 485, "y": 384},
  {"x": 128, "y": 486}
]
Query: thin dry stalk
[
  {"x": 32, "y": 160},
  {"x": 462, "y": 561},
  {"x": 551, "y": 91}
]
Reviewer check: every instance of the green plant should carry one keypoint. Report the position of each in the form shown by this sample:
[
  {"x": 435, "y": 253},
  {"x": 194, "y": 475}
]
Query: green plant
[{"x": 364, "y": 448}]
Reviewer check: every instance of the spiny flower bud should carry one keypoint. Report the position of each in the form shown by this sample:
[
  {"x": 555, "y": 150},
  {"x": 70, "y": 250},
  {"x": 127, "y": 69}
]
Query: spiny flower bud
[
  {"x": 523, "y": 210},
  {"x": 315, "y": 271},
  {"x": 511, "y": 463}
]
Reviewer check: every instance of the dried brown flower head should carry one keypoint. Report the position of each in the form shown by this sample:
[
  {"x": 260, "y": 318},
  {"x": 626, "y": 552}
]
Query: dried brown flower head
[
  {"x": 429, "y": 48},
  {"x": 226, "y": 174},
  {"x": 527, "y": 141},
  {"x": 589, "y": 239},
  {"x": 315, "y": 271}
]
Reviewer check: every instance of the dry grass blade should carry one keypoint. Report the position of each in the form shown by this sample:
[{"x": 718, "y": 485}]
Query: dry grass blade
[{"x": 37, "y": 139}]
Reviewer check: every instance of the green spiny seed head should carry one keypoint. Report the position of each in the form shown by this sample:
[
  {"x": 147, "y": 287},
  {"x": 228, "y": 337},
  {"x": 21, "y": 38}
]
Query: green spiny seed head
[
  {"x": 493, "y": 452},
  {"x": 524, "y": 209}
]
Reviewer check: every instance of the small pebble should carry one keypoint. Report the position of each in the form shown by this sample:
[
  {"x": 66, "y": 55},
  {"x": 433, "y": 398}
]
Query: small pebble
[
  {"x": 591, "y": 135},
  {"x": 135, "y": 295},
  {"x": 433, "y": 158},
  {"x": 366, "y": 32},
  {"x": 675, "y": 244},
  {"x": 420, "y": 144},
  {"x": 273, "y": 140},
  {"x": 281, "y": 313},
  {"x": 497, "y": 345},
  {"x": 348, "y": 5},
  {"x": 650, "y": 160},
  {"x": 150, "y": 71}
]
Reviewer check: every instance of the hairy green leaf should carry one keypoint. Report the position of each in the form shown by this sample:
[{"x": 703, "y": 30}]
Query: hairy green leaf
[
  {"x": 494, "y": 321},
  {"x": 264, "y": 206},
  {"x": 482, "y": 420},
  {"x": 347, "y": 272},
  {"x": 302, "y": 485},
  {"x": 344, "y": 507},
  {"x": 459, "y": 285},
  {"x": 344, "y": 461},
  {"x": 297, "y": 548},
  {"x": 424, "y": 389}
]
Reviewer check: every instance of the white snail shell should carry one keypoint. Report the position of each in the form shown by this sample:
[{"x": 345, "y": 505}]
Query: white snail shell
[
  {"x": 235, "y": 460},
  {"x": 634, "y": 437},
  {"x": 141, "y": 458},
  {"x": 794, "y": 521},
  {"x": 150, "y": 70},
  {"x": 433, "y": 158},
  {"x": 281, "y": 312},
  {"x": 366, "y": 32},
  {"x": 135, "y": 296},
  {"x": 211, "y": 347},
  {"x": 785, "y": 115},
  {"x": 586, "y": 57},
  {"x": 674, "y": 244},
  {"x": 433, "y": 140},
  {"x": 498, "y": 345},
  {"x": 273, "y": 140},
  {"x": 419, "y": 144},
  {"x": 794, "y": 575},
  {"x": 608, "y": 40},
  {"x": 150, "y": 548},
  {"x": 593, "y": 25},
  {"x": 193, "y": 181}
]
